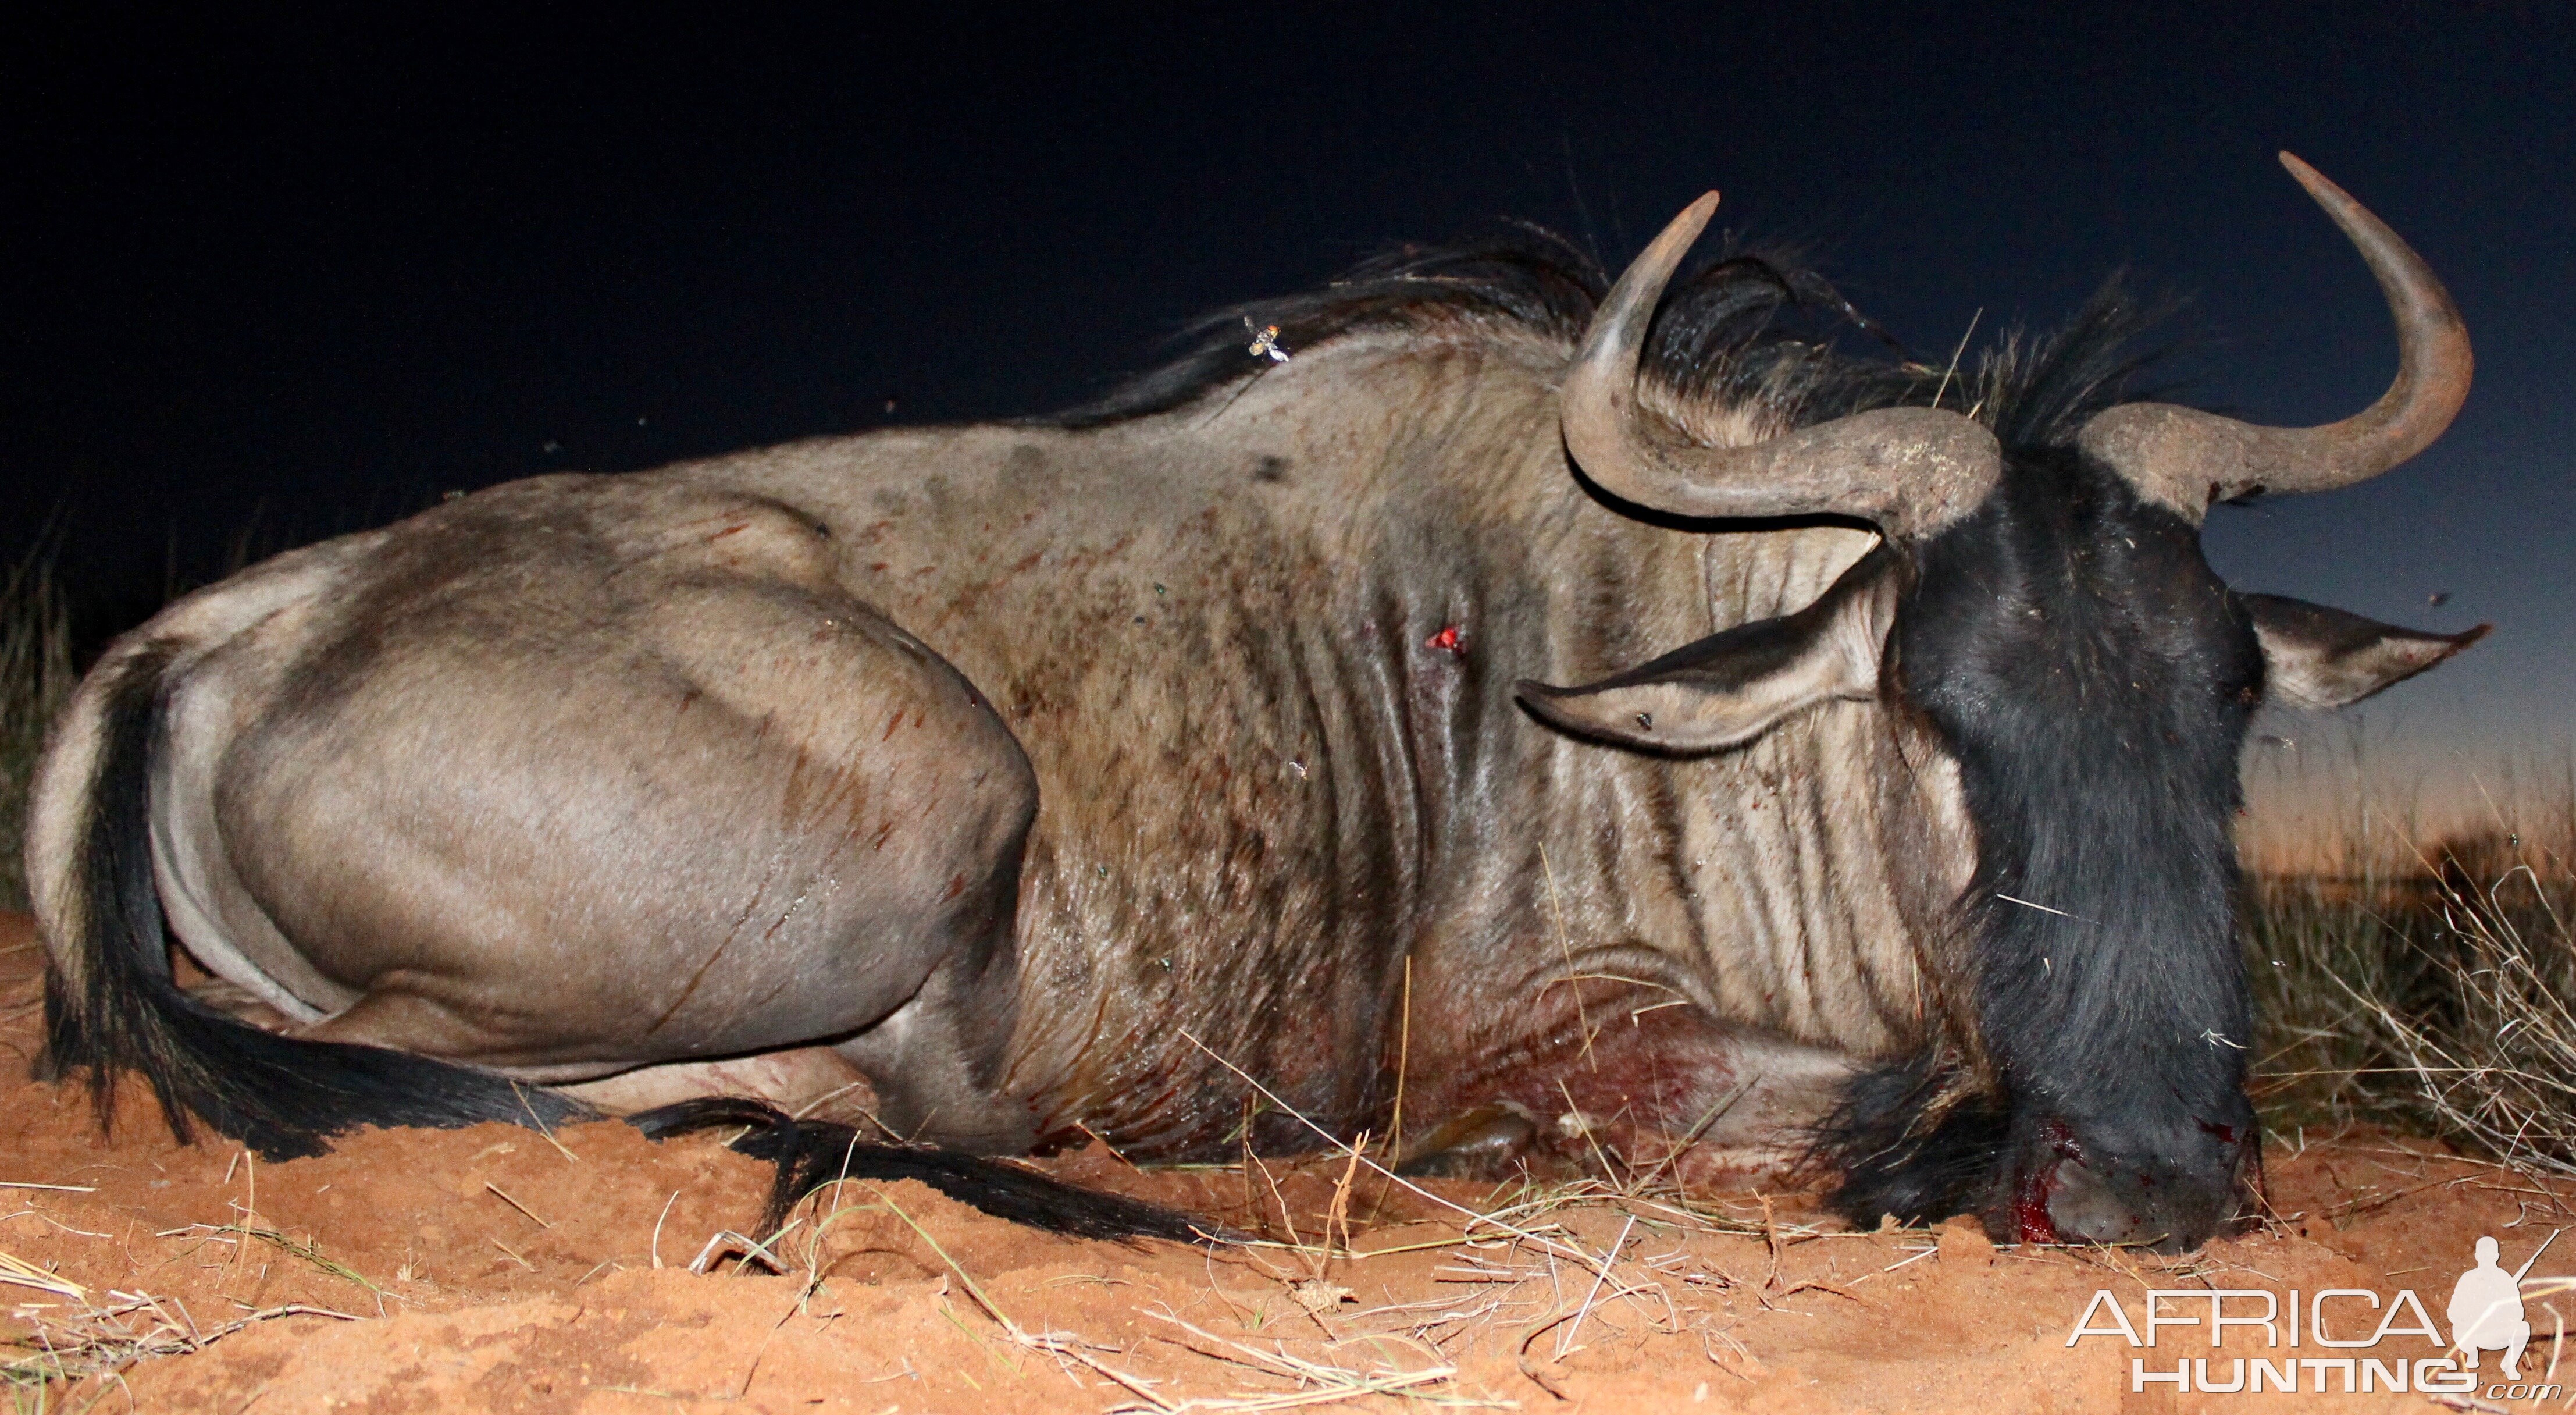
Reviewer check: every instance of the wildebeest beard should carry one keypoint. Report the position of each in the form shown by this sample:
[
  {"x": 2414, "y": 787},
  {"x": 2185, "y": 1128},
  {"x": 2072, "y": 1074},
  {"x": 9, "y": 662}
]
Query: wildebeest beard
[{"x": 2093, "y": 679}]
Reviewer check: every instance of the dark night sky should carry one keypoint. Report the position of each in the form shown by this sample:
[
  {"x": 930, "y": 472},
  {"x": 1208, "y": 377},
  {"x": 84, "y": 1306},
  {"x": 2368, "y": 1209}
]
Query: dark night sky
[{"x": 288, "y": 273}]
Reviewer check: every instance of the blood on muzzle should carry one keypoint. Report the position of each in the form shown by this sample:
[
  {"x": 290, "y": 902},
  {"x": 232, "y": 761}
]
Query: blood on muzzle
[{"x": 2066, "y": 1191}]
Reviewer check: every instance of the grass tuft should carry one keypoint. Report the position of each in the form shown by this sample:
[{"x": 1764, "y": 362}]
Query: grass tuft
[
  {"x": 2432, "y": 985},
  {"x": 84, "y": 1335},
  {"x": 36, "y": 679}
]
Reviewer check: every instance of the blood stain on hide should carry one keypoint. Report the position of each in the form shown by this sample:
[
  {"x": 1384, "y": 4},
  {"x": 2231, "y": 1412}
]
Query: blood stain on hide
[{"x": 1447, "y": 639}]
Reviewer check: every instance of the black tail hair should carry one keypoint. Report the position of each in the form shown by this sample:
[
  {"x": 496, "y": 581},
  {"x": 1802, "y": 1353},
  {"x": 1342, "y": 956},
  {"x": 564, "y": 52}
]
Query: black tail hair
[
  {"x": 813, "y": 1153},
  {"x": 284, "y": 1097},
  {"x": 1905, "y": 1141}
]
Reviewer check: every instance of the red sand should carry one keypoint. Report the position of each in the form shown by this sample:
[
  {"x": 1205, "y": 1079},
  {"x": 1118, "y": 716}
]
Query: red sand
[{"x": 489, "y": 1269}]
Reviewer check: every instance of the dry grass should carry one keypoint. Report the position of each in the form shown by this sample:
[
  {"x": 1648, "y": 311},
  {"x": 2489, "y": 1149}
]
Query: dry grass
[
  {"x": 78, "y": 1335},
  {"x": 2428, "y": 982},
  {"x": 2485, "y": 1036},
  {"x": 1527, "y": 1276},
  {"x": 36, "y": 679},
  {"x": 73, "y": 1342}
]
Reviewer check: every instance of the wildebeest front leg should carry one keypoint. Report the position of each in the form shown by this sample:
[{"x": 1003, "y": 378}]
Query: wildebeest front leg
[{"x": 1666, "y": 1086}]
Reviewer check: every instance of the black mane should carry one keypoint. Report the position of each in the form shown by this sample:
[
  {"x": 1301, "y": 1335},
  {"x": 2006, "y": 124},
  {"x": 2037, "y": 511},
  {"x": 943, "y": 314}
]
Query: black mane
[{"x": 1752, "y": 325}]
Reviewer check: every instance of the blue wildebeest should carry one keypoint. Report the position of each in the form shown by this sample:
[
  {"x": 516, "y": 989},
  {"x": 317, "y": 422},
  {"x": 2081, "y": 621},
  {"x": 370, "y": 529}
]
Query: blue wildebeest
[{"x": 1006, "y": 782}]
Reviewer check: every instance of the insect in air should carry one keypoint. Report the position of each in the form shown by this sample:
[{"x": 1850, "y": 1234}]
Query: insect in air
[{"x": 1265, "y": 340}]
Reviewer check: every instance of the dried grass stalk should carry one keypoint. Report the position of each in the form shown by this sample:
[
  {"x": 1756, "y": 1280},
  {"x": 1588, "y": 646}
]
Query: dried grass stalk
[
  {"x": 36, "y": 679},
  {"x": 81, "y": 1339},
  {"x": 2434, "y": 985}
]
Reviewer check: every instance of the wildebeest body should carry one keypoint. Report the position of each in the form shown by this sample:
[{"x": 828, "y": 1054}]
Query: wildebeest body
[
  {"x": 1059, "y": 777},
  {"x": 673, "y": 709}
]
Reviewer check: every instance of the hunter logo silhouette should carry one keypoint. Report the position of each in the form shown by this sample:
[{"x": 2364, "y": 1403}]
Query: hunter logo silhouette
[{"x": 2486, "y": 1309}]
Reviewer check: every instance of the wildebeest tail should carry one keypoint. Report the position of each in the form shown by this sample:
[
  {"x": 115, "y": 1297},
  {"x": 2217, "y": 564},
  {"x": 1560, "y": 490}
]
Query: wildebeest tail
[
  {"x": 813, "y": 1153},
  {"x": 112, "y": 1004}
]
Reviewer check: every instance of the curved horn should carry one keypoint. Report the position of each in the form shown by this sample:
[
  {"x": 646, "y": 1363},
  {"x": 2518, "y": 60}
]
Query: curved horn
[
  {"x": 1910, "y": 470},
  {"x": 2188, "y": 459}
]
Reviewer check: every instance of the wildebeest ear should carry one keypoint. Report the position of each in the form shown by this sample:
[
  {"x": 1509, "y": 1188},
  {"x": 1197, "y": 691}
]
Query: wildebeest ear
[
  {"x": 2316, "y": 657},
  {"x": 1731, "y": 687}
]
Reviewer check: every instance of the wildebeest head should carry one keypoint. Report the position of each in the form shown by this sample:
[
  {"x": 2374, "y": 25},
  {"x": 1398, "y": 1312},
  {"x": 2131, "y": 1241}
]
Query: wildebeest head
[{"x": 2039, "y": 615}]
